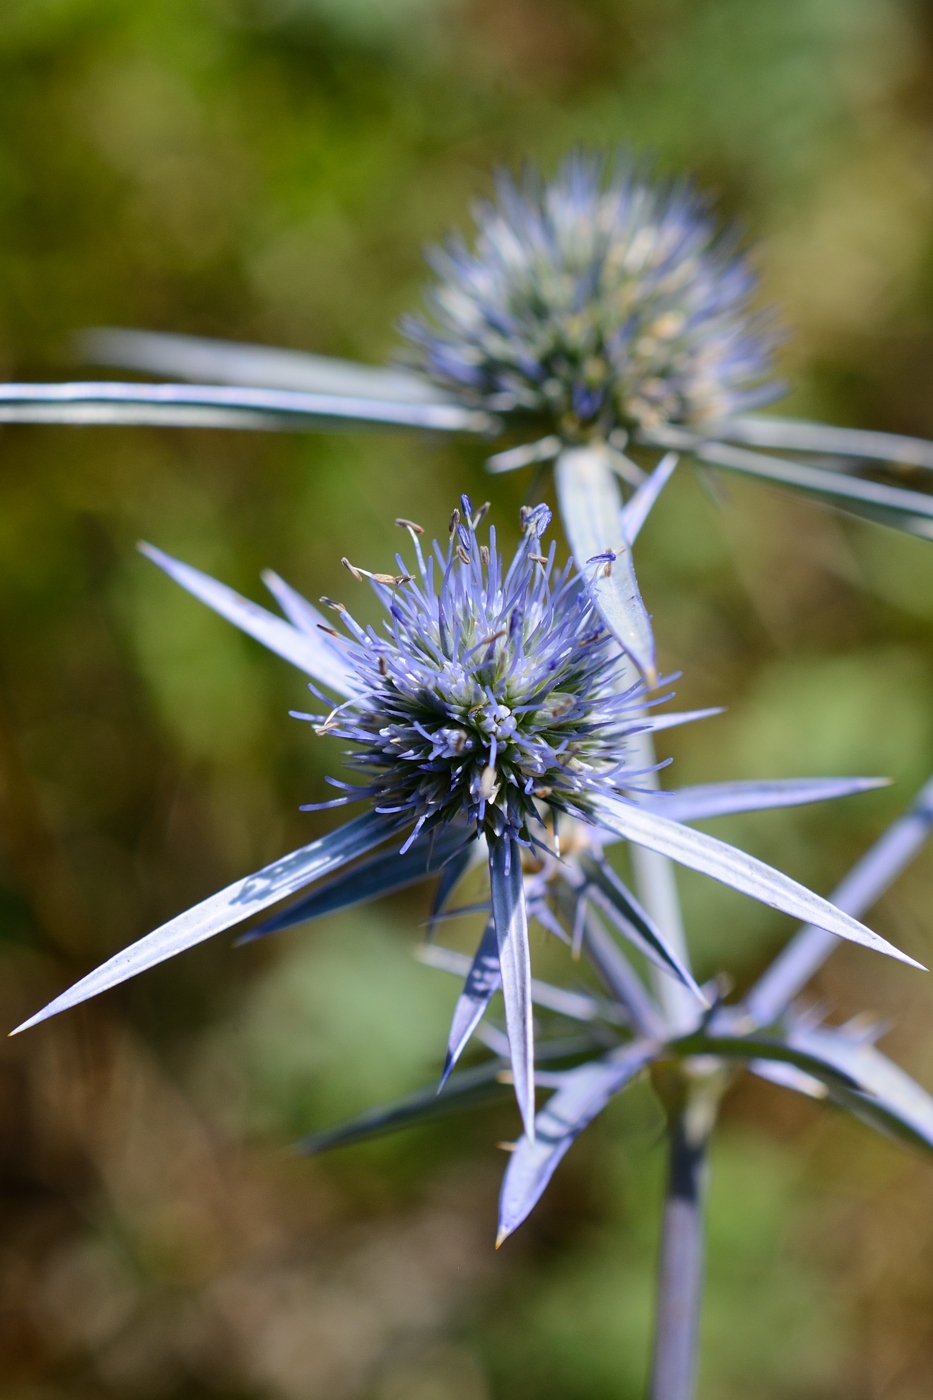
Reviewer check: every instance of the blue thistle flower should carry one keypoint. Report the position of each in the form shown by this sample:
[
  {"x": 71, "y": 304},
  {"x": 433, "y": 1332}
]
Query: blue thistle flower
[
  {"x": 494, "y": 692},
  {"x": 492, "y": 695},
  {"x": 599, "y": 301}
]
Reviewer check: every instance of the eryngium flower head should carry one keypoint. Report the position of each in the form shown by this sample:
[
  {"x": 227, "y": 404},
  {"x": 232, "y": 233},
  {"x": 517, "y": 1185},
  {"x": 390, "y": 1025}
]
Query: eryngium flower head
[
  {"x": 491, "y": 691},
  {"x": 601, "y": 300}
]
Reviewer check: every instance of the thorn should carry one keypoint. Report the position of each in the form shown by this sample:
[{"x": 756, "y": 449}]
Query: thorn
[
  {"x": 501, "y": 1237},
  {"x": 507, "y": 1146},
  {"x": 409, "y": 525}
]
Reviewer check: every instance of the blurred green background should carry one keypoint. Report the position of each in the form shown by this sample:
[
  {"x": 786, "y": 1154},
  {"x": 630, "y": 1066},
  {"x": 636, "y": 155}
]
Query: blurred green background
[{"x": 269, "y": 170}]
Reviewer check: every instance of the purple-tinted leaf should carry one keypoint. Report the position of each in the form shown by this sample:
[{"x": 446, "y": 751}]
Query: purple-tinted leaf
[
  {"x": 508, "y": 912},
  {"x": 298, "y": 610},
  {"x": 655, "y": 723},
  {"x": 228, "y": 362},
  {"x": 311, "y": 653},
  {"x": 633, "y": 922},
  {"x": 483, "y": 980},
  {"x": 578, "y": 1006},
  {"x": 224, "y": 406},
  {"x": 385, "y": 874},
  {"x": 636, "y": 511},
  {"x": 698, "y": 851},
  {"x": 584, "y": 1093},
  {"x": 865, "y": 883},
  {"x": 590, "y": 507},
  {"x": 692, "y": 804},
  {"x": 893, "y": 505},
  {"x": 228, "y": 907},
  {"x": 800, "y": 436}
]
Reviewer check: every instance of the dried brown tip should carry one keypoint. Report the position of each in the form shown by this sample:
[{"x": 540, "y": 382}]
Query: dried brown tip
[
  {"x": 354, "y": 571},
  {"x": 329, "y": 630},
  {"x": 409, "y": 525}
]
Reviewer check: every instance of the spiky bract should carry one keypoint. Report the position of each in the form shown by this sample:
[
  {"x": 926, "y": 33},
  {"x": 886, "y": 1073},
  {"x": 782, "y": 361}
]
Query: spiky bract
[
  {"x": 491, "y": 694},
  {"x": 600, "y": 300}
]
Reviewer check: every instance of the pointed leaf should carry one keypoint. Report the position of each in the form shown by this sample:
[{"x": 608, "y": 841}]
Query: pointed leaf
[
  {"x": 386, "y": 874},
  {"x": 584, "y": 1093},
  {"x": 590, "y": 507},
  {"x": 655, "y": 723},
  {"x": 693, "y": 804},
  {"x": 578, "y": 1006},
  {"x": 229, "y": 362},
  {"x": 737, "y": 869},
  {"x": 800, "y": 436},
  {"x": 508, "y": 911},
  {"x": 223, "y": 406},
  {"x": 228, "y": 907},
  {"x": 311, "y": 653},
  {"x": 470, "y": 1088},
  {"x": 483, "y": 980},
  {"x": 865, "y": 883},
  {"x": 633, "y": 922},
  {"x": 636, "y": 511},
  {"x": 297, "y": 609}
]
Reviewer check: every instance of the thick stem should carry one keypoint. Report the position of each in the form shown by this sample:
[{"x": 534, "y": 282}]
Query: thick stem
[{"x": 681, "y": 1268}]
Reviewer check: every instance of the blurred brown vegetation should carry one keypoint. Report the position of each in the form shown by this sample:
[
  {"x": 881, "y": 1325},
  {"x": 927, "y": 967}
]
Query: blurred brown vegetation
[{"x": 269, "y": 170}]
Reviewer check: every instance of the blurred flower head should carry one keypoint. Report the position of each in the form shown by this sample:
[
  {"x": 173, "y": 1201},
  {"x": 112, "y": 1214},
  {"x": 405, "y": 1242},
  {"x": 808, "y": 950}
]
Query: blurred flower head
[
  {"x": 493, "y": 692},
  {"x": 600, "y": 300}
]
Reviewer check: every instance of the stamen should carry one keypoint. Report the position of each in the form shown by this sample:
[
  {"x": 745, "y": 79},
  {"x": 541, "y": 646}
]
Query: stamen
[
  {"x": 409, "y": 525},
  {"x": 353, "y": 570}
]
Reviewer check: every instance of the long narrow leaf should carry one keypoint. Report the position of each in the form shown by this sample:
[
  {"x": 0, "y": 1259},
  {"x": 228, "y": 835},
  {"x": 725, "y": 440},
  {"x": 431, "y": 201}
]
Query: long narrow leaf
[
  {"x": 511, "y": 923},
  {"x": 225, "y": 406},
  {"x": 483, "y": 980},
  {"x": 228, "y": 907},
  {"x": 633, "y": 922},
  {"x": 385, "y": 874},
  {"x": 655, "y": 723},
  {"x": 230, "y": 362},
  {"x": 800, "y": 436},
  {"x": 590, "y": 507},
  {"x": 578, "y": 1006},
  {"x": 692, "y": 804},
  {"x": 310, "y": 652},
  {"x": 470, "y": 1088},
  {"x": 735, "y": 868},
  {"x": 584, "y": 1093},
  {"x": 894, "y": 505},
  {"x": 636, "y": 511},
  {"x": 864, "y": 885}
]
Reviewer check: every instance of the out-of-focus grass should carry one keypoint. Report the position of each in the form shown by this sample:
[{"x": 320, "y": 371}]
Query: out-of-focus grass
[{"x": 269, "y": 169}]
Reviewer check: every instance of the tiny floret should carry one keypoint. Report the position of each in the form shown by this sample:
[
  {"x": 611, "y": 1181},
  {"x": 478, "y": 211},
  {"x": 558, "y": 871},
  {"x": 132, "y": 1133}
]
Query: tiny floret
[
  {"x": 488, "y": 688},
  {"x": 600, "y": 301}
]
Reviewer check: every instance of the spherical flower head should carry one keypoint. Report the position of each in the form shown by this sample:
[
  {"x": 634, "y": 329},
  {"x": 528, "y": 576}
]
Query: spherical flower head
[
  {"x": 602, "y": 300},
  {"x": 491, "y": 694}
]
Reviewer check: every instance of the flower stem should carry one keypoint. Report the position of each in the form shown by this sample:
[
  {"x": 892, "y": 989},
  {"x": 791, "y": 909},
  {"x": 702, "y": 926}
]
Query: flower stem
[{"x": 681, "y": 1268}]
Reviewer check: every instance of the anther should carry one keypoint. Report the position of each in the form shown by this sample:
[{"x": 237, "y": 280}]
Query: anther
[
  {"x": 409, "y": 525},
  {"x": 332, "y": 603},
  {"x": 481, "y": 514},
  {"x": 354, "y": 571},
  {"x": 487, "y": 782},
  {"x": 454, "y": 521},
  {"x": 537, "y": 558},
  {"x": 484, "y": 553},
  {"x": 383, "y": 668},
  {"x": 462, "y": 555}
]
